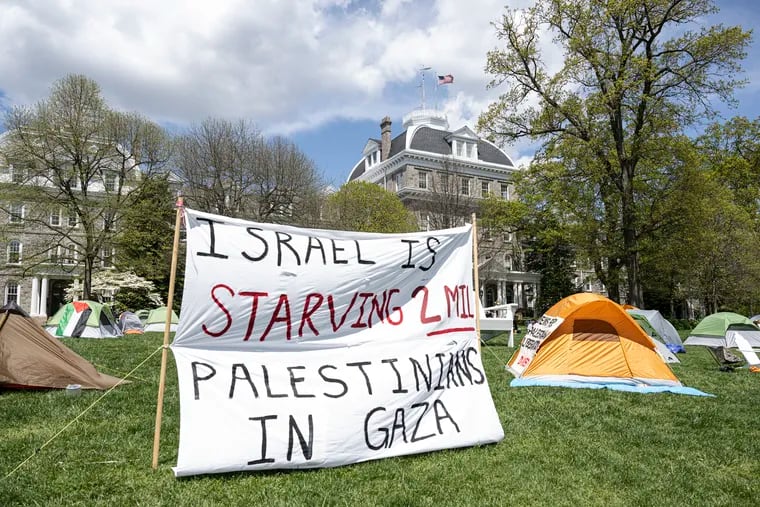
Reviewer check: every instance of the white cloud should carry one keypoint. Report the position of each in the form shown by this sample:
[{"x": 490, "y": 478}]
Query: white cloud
[{"x": 287, "y": 65}]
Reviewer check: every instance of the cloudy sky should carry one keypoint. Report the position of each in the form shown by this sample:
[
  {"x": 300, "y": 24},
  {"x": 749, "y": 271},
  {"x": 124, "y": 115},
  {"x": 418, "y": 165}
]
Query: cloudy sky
[{"x": 323, "y": 72}]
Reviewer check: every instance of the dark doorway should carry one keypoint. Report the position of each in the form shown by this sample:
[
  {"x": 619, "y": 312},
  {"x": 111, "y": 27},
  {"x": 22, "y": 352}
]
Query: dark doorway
[{"x": 56, "y": 295}]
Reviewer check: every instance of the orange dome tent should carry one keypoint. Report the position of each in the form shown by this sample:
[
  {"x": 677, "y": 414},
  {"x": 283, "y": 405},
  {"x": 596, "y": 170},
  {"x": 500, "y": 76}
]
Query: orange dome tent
[{"x": 587, "y": 340}]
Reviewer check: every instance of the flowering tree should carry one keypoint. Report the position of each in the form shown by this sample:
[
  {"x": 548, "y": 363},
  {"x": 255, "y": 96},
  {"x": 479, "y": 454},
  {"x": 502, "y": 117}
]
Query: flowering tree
[{"x": 124, "y": 289}]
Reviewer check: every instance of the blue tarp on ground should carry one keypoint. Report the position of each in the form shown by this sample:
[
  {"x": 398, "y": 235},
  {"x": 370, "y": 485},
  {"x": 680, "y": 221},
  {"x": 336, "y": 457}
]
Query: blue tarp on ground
[{"x": 612, "y": 385}]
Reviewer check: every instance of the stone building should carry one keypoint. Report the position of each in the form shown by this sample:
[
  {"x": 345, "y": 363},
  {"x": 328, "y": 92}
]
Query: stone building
[
  {"x": 42, "y": 242},
  {"x": 441, "y": 175}
]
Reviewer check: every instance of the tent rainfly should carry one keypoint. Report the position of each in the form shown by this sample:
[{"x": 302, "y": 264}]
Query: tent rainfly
[
  {"x": 31, "y": 358},
  {"x": 84, "y": 319},
  {"x": 662, "y": 326},
  {"x": 728, "y": 329},
  {"x": 663, "y": 351},
  {"x": 156, "y": 320},
  {"x": 586, "y": 340},
  {"x": 130, "y": 323}
]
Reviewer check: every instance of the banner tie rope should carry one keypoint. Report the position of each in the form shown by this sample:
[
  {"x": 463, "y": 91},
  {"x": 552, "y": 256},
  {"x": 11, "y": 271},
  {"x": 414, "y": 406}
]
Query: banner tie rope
[{"x": 37, "y": 451}]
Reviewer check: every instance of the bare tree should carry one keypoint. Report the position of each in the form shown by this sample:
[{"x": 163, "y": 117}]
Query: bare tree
[
  {"x": 76, "y": 166},
  {"x": 451, "y": 199},
  {"x": 231, "y": 169}
]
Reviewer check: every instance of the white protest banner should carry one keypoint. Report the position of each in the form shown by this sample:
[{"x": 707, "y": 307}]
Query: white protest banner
[
  {"x": 538, "y": 332},
  {"x": 303, "y": 348}
]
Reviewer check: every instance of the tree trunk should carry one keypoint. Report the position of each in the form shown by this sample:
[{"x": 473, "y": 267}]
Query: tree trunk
[
  {"x": 87, "y": 277},
  {"x": 635, "y": 294}
]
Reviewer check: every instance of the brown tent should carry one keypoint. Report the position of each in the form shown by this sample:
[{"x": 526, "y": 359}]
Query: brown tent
[{"x": 31, "y": 358}]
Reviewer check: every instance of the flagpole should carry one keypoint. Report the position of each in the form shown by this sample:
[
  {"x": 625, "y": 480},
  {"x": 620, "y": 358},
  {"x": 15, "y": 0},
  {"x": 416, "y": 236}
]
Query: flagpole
[
  {"x": 167, "y": 329},
  {"x": 476, "y": 275},
  {"x": 422, "y": 86}
]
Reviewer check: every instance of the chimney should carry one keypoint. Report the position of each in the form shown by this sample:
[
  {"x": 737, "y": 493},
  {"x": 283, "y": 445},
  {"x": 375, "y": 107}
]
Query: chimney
[{"x": 385, "y": 138}]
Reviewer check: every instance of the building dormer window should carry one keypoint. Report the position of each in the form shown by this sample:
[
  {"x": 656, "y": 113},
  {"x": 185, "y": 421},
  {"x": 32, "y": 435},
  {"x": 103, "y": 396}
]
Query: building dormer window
[
  {"x": 373, "y": 158},
  {"x": 463, "y": 148}
]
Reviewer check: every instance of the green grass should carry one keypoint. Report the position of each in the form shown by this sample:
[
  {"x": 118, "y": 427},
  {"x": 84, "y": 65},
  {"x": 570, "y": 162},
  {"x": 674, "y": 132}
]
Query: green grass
[{"x": 562, "y": 447}]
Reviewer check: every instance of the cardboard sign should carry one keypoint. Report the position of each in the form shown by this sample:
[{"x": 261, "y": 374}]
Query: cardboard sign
[{"x": 538, "y": 332}]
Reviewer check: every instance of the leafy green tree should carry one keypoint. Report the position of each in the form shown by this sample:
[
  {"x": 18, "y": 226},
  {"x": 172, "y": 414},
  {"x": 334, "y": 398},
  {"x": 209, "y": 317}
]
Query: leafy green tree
[
  {"x": 499, "y": 222},
  {"x": 144, "y": 240},
  {"x": 634, "y": 77},
  {"x": 366, "y": 207},
  {"x": 539, "y": 241},
  {"x": 732, "y": 150},
  {"x": 77, "y": 167},
  {"x": 704, "y": 247}
]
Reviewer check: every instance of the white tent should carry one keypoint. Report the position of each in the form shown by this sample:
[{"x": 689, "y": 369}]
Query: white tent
[{"x": 667, "y": 333}]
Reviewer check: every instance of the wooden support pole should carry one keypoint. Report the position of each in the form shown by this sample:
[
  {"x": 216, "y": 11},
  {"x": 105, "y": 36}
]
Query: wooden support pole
[
  {"x": 475, "y": 274},
  {"x": 167, "y": 330}
]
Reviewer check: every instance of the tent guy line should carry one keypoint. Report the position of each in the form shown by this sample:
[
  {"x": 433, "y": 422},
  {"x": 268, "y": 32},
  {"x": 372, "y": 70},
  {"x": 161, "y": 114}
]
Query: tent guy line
[{"x": 83, "y": 412}]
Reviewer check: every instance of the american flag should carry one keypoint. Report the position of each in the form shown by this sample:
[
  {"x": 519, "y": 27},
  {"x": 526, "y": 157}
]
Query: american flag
[{"x": 447, "y": 79}]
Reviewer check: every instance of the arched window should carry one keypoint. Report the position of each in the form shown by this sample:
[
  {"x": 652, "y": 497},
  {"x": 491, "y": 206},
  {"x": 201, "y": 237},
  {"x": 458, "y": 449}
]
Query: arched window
[{"x": 14, "y": 252}]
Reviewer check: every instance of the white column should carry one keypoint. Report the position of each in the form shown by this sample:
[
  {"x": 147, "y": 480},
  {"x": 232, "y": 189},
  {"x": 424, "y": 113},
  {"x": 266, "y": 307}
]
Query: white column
[
  {"x": 44, "y": 296},
  {"x": 34, "y": 308},
  {"x": 499, "y": 293}
]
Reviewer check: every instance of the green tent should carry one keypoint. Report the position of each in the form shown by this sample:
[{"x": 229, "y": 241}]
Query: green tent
[
  {"x": 722, "y": 329},
  {"x": 142, "y": 314},
  {"x": 156, "y": 320},
  {"x": 84, "y": 319}
]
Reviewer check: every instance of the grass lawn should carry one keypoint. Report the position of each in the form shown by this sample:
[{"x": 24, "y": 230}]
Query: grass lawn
[{"x": 562, "y": 447}]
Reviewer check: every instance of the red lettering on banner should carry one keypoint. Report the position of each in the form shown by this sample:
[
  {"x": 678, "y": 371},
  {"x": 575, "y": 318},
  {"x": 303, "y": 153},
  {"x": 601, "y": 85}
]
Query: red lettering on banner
[
  {"x": 308, "y": 312},
  {"x": 254, "y": 309},
  {"x": 424, "y": 318},
  {"x": 331, "y": 305},
  {"x": 457, "y": 297},
  {"x": 217, "y": 334},
  {"x": 465, "y": 292},
  {"x": 358, "y": 323},
  {"x": 395, "y": 308},
  {"x": 281, "y": 303}
]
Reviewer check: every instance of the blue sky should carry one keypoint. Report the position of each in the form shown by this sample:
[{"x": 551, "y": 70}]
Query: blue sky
[{"x": 322, "y": 72}]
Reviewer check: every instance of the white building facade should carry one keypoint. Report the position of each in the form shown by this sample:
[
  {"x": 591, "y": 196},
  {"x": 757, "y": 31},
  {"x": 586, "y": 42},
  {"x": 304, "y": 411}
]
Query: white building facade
[{"x": 442, "y": 175}]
